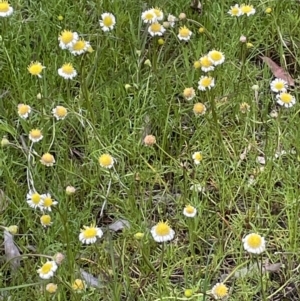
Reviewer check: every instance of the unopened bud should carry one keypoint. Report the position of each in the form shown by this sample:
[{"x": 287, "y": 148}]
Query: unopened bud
[{"x": 70, "y": 190}]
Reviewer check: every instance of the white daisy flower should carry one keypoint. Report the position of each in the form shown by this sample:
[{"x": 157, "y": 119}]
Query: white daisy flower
[
  {"x": 206, "y": 64},
  {"x": 162, "y": 232},
  {"x": 247, "y": 10},
  {"x": 184, "y": 33},
  {"x": 217, "y": 57},
  {"x": 89, "y": 235},
  {"x": 5, "y": 9},
  {"x": 35, "y": 135},
  {"x": 148, "y": 16},
  {"x": 60, "y": 112},
  {"x": 107, "y": 22},
  {"x": 219, "y": 291},
  {"x": 79, "y": 47},
  {"x": 189, "y": 93},
  {"x": 106, "y": 161},
  {"x": 67, "y": 39},
  {"x": 189, "y": 211},
  {"x": 156, "y": 29},
  {"x": 285, "y": 99},
  {"x": 197, "y": 156},
  {"x": 206, "y": 82},
  {"x": 235, "y": 11},
  {"x": 47, "y": 270},
  {"x": 48, "y": 202},
  {"x": 172, "y": 19},
  {"x": 159, "y": 14},
  {"x": 34, "y": 199},
  {"x": 67, "y": 71},
  {"x": 278, "y": 85},
  {"x": 254, "y": 243},
  {"x": 24, "y": 110}
]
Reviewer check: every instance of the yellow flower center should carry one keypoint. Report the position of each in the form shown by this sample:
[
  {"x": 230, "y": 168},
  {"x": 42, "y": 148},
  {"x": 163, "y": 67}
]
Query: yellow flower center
[
  {"x": 205, "y": 62},
  {"x": 108, "y": 21},
  {"x": 198, "y": 156},
  {"x": 286, "y": 97},
  {"x": 48, "y": 202},
  {"x": 184, "y": 32},
  {"x": 47, "y": 158},
  {"x": 279, "y": 85},
  {"x": 23, "y": 109},
  {"x": 235, "y": 11},
  {"x": 149, "y": 16},
  {"x": 46, "y": 219},
  {"x": 67, "y": 36},
  {"x": 199, "y": 108},
  {"x": 155, "y": 27},
  {"x": 67, "y": 69},
  {"x": 35, "y": 68},
  {"x": 246, "y": 9},
  {"x": 254, "y": 241},
  {"x": 79, "y": 45},
  {"x": 89, "y": 233},
  {"x": 46, "y": 268},
  {"x": 35, "y": 134},
  {"x": 216, "y": 55},
  {"x": 206, "y": 81},
  {"x": 189, "y": 209},
  {"x": 221, "y": 290},
  {"x": 162, "y": 229},
  {"x": 61, "y": 111},
  {"x": 35, "y": 198},
  {"x": 78, "y": 284},
  {"x": 4, "y": 6},
  {"x": 106, "y": 160}
]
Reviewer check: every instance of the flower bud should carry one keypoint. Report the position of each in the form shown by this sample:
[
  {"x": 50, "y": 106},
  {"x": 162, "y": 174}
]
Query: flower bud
[{"x": 70, "y": 190}]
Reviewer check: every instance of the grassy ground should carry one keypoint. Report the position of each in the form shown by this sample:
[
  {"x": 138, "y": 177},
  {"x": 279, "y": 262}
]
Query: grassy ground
[{"x": 149, "y": 184}]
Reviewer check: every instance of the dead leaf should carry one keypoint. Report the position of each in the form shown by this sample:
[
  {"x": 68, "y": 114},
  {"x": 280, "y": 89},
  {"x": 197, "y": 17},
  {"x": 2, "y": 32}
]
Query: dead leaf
[
  {"x": 119, "y": 225},
  {"x": 91, "y": 280},
  {"x": 11, "y": 251},
  {"x": 254, "y": 268},
  {"x": 272, "y": 267},
  {"x": 196, "y": 5},
  {"x": 278, "y": 71}
]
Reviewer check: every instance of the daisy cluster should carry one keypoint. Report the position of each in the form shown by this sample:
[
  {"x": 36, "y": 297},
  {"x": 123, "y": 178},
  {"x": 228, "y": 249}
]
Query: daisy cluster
[
  {"x": 284, "y": 98},
  {"x": 154, "y": 18},
  {"x": 156, "y": 25},
  {"x": 207, "y": 63},
  {"x": 244, "y": 9}
]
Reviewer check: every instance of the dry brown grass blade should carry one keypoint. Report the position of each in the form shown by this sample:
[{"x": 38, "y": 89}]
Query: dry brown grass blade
[
  {"x": 12, "y": 253},
  {"x": 278, "y": 71},
  {"x": 3, "y": 201}
]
